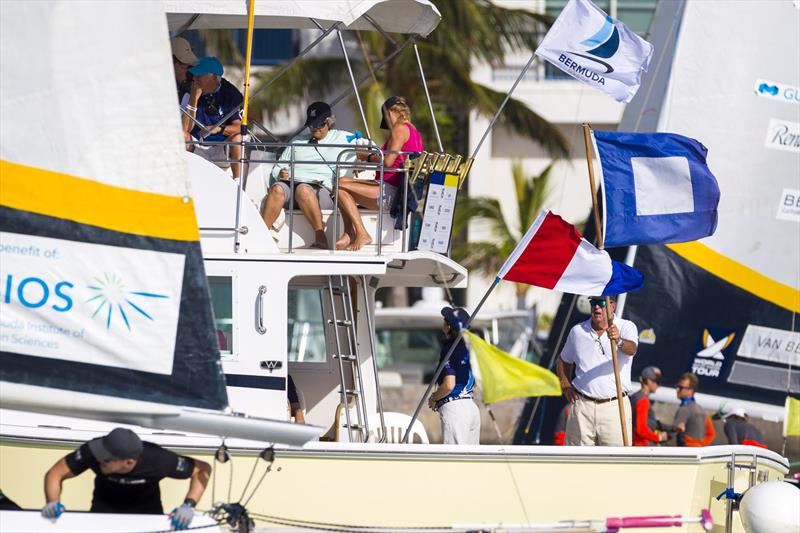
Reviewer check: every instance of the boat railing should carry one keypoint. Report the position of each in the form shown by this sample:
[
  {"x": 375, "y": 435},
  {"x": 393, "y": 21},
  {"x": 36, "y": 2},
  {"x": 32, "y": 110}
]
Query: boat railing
[{"x": 417, "y": 165}]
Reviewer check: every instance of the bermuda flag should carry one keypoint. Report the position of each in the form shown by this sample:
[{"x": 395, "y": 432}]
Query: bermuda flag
[{"x": 553, "y": 255}]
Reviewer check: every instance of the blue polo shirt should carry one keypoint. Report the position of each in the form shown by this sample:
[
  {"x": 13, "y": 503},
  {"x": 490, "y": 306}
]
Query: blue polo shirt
[
  {"x": 458, "y": 366},
  {"x": 213, "y": 106}
]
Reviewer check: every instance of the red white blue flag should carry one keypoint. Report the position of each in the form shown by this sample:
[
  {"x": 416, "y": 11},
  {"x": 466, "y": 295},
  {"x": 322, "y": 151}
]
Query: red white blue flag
[{"x": 553, "y": 255}]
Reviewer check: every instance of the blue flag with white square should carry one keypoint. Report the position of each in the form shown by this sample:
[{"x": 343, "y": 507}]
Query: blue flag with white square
[{"x": 657, "y": 188}]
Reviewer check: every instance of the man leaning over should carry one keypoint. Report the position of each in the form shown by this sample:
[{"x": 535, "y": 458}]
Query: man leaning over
[
  {"x": 127, "y": 474},
  {"x": 210, "y": 98},
  {"x": 594, "y": 417}
]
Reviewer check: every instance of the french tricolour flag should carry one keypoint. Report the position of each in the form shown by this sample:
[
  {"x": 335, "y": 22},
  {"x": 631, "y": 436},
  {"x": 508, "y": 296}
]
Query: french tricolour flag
[{"x": 553, "y": 255}]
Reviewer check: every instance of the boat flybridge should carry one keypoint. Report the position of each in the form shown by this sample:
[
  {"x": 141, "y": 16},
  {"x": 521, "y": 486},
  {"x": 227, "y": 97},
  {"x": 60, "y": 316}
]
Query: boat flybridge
[{"x": 281, "y": 309}]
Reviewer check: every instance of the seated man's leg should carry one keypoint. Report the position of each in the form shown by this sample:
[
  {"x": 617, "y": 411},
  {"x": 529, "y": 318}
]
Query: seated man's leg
[
  {"x": 187, "y": 138},
  {"x": 306, "y": 198},
  {"x": 276, "y": 198},
  {"x": 235, "y": 151},
  {"x": 354, "y": 226}
]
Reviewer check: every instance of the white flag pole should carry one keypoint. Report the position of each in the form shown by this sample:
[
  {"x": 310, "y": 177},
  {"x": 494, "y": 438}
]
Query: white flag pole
[{"x": 609, "y": 314}]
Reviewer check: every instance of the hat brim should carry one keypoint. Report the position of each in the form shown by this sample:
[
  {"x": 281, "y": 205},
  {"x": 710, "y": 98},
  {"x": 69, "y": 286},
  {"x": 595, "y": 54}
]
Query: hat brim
[
  {"x": 384, "y": 126},
  {"x": 316, "y": 122},
  {"x": 100, "y": 452}
]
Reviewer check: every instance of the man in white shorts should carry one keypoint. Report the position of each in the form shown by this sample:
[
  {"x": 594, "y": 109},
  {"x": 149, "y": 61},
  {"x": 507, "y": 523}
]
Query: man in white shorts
[
  {"x": 210, "y": 98},
  {"x": 594, "y": 417}
]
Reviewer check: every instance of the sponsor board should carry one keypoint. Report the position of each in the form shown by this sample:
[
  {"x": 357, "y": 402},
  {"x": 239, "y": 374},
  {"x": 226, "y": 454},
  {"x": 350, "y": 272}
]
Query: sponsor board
[
  {"x": 778, "y": 91},
  {"x": 783, "y": 135},
  {"x": 789, "y": 206},
  {"x": 770, "y": 344},
  {"x": 89, "y": 303},
  {"x": 710, "y": 359}
]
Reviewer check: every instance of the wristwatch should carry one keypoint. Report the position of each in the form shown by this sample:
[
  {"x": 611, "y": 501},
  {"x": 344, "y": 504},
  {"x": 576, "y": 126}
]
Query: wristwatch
[{"x": 190, "y": 502}]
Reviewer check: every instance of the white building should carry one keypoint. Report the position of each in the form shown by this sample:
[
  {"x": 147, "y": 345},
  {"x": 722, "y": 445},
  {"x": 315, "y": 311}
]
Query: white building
[{"x": 562, "y": 101}]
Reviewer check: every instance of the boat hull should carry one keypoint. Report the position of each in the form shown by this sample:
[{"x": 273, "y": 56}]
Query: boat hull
[{"x": 435, "y": 485}]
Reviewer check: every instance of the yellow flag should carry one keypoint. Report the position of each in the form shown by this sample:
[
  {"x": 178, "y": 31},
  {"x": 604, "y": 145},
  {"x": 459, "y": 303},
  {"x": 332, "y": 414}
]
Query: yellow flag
[
  {"x": 791, "y": 420},
  {"x": 504, "y": 376}
]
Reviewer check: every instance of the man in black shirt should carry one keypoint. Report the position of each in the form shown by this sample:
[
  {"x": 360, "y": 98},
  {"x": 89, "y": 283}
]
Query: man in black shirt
[{"x": 127, "y": 474}]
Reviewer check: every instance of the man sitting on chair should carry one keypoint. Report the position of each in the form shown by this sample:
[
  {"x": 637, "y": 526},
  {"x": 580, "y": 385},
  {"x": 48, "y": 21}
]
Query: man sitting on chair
[
  {"x": 313, "y": 182},
  {"x": 210, "y": 98}
]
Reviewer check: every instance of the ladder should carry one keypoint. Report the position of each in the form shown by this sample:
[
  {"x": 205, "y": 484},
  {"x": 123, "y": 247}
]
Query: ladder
[{"x": 343, "y": 325}]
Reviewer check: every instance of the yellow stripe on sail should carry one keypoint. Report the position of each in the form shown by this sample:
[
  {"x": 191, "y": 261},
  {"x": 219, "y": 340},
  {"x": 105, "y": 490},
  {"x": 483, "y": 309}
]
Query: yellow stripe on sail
[
  {"x": 791, "y": 420},
  {"x": 53, "y": 194},
  {"x": 504, "y": 377},
  {"x": 739, "y": 275}
]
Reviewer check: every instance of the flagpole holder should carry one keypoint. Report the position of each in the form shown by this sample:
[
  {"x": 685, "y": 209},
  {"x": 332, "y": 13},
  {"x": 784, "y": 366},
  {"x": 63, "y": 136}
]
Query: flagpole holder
[{"x": 609, "y": 314}]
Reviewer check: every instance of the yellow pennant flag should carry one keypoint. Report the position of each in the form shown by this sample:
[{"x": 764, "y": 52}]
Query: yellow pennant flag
[
  {"x": 791, "y": 417},
  {"x": 504, "y": 376}
]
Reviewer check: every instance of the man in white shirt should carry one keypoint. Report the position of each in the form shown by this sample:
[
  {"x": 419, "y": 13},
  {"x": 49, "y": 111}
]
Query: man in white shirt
[{"x": 594, "y": 417}]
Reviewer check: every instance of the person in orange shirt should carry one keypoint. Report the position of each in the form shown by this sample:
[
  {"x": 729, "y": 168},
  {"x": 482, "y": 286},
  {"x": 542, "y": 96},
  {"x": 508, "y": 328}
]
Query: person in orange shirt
[
  {"x": 560, "y": 434},
  {"x": 645, "y": 432}
]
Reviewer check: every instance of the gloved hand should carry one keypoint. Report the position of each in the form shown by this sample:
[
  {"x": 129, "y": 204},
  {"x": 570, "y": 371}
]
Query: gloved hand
[
  {"x": 53, "y": 510},
  {"x": 182, "y": 516}
]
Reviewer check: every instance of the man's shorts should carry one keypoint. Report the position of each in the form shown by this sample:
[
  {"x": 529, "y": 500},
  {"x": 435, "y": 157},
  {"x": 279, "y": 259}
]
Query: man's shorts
[
  {"x": 216, "y": 153},
  {"x": 323, "y": 194}
]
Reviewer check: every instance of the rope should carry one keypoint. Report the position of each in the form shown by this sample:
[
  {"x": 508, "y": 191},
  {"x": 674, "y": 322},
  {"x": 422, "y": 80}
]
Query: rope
[
  {"x": 249, "y": 479},
  {"x": 331, "y": 526}
]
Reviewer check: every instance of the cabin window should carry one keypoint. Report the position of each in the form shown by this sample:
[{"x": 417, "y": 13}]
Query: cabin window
[
  {"x": 306, "y": 339},
  {"x": 221, "y": 288}
]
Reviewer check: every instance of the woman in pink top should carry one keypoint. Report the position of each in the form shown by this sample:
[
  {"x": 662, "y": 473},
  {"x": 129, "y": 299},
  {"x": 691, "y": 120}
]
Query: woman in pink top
[{"x": 403, "y": 136}]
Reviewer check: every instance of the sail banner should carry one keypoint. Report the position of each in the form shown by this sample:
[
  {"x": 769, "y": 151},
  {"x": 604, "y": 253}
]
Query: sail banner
[
  {"x": 594, "y": 48},
  {"x": 102, "y": 286}
]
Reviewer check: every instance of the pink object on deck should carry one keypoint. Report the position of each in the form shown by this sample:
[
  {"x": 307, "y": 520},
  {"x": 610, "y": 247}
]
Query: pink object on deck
[{"x": 615, "y": 524}]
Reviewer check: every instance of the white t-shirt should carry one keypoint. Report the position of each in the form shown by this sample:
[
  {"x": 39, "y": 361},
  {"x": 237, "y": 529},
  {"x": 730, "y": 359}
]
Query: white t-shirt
[{"x": 591, "y": 355}]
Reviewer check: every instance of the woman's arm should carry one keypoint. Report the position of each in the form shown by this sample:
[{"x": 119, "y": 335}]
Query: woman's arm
[{"x": 397, "y": 139}]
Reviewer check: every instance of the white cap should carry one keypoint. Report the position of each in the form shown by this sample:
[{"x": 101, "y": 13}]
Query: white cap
[
  {"x": 183, "y": 50},
  {"x": 734, "y": 410}
]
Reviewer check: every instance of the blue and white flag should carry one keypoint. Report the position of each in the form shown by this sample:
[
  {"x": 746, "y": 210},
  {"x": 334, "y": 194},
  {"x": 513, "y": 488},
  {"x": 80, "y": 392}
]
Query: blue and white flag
[
  {"x": 657, "y": 188},
  {"x": 593, "y": 48}
]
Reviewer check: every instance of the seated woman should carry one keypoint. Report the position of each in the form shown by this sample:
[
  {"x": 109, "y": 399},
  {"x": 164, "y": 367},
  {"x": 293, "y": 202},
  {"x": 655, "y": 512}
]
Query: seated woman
[{"x": 403, "y": 136}]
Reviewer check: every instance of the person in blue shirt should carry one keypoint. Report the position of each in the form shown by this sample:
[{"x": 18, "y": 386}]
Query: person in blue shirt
[
  {"x": 210, "y": 98},
  {"x": 461, "y": 420}
]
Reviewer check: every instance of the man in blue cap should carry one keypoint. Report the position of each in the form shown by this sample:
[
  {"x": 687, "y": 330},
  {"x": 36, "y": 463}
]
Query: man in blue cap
[
  {"x": 461, "y": 420},
  {"x": 127, "y": 474},
  {"x": 210, "y": 98}
]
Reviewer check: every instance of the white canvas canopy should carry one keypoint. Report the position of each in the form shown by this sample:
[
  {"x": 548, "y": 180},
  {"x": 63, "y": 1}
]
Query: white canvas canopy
[{"x": 418, "y": 17}]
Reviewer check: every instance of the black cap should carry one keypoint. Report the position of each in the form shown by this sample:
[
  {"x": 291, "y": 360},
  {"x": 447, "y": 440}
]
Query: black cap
[
  {"x": 458, "y": 312},
  {"x": 392, "y": 100},
  {"x": 652, "y": 373},
  {"x": 119, "y": 444},
  {"x": 317, "y": 113}
]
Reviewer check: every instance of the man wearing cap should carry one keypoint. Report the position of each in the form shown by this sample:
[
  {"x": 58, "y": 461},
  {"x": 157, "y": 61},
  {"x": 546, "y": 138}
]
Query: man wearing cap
[
  {"x": 645, "y": 425},
  {"x": 313, "y": 179},
  {"x": 461, "y": 420},
  {"x": 127, "y": 474},
  {"x": 739, "y": 430},
  {"x": 211, "y": 98},
  {"x": 182, "y": 58},
  {"x": 594, "y": 417}
]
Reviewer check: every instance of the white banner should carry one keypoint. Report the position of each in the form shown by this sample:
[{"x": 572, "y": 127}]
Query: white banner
[
  {"x": 89, "y": 303},
  {"x": 770, "y": 344},
  {"x": 593, "y": 48}
]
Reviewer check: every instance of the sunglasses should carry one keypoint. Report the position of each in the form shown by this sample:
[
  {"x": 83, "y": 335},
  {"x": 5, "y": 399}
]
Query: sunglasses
[
  {"x": 593, "y": 302},
  {"x": 681, "y": 387}
]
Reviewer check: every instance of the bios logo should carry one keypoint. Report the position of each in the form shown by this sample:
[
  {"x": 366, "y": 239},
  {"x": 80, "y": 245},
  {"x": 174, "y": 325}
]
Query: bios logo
[{"x": 778, "y": 91}]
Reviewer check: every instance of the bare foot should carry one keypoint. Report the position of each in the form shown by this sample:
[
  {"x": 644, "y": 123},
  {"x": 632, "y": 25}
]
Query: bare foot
[
  {"x": 343, "y": 242},
  {"x": 360, "y": 240}
]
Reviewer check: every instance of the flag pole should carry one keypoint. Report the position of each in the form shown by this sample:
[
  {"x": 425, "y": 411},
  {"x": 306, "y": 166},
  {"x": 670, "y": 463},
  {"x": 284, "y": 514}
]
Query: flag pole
[
  {"x": 609, "y": 314},
  {"x": 444, "y": 360}
]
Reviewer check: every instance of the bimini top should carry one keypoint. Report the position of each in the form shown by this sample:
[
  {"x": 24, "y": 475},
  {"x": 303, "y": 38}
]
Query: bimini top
[{"x": 418, "y": 17}]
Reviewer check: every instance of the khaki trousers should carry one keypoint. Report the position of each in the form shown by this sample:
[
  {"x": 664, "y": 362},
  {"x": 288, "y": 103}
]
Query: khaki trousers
[{"x": 597, "y": 424}]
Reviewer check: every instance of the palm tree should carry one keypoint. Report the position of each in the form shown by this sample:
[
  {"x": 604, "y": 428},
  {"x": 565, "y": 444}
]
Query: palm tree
[
  {"x": 487, "y": 257},
  {"x": 470, "y": 30}
]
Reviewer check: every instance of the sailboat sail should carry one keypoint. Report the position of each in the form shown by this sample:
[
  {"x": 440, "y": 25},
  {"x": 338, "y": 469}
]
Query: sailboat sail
[
  {"x": 726, "y": 307},
  {"x": 102, "y": 286}
]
